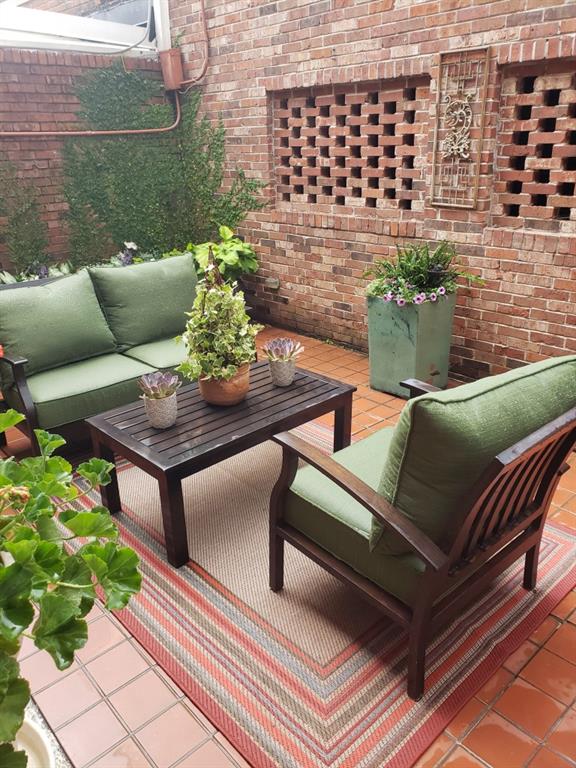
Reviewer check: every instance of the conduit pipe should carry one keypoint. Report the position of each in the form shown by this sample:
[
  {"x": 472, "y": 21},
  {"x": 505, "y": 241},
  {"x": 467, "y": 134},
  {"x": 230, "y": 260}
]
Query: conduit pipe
[
  {"x": 204, "y": 67},
  {"x": 122, "y": 132}
]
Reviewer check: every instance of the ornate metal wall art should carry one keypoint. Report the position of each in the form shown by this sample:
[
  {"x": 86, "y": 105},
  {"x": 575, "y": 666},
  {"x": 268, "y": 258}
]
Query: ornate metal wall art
[{"x": 460, "y": 113}]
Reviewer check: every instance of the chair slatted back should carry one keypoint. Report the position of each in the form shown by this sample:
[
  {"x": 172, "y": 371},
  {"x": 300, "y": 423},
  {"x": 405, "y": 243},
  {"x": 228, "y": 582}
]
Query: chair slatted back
[{"x": 514, "y": 491}]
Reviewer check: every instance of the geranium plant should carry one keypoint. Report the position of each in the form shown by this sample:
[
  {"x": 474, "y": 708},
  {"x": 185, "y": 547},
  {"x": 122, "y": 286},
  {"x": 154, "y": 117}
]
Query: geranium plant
[
  {"x": 54, "y": 554},
  {"x": 418, "y": 274},
  {"x": 219, "y": 335}
]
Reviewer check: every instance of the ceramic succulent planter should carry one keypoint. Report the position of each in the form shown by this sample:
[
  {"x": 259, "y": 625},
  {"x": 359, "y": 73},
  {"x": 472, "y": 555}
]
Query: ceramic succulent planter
[
  {"x": 282, "y": 372},
  {"x": 231, "y": 392},
  {"x": 161, "y": 412}
]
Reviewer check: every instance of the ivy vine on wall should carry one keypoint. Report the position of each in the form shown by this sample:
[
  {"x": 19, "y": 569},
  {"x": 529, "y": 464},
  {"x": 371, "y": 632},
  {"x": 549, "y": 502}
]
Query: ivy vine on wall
[{"x": 161, "y": 191}]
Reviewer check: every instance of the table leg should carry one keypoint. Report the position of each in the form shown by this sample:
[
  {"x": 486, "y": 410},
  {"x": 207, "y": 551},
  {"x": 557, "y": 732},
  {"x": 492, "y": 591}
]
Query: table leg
[
  {"x": 343, "y": 424},
  {"x": 110, "y": 493},
  {"x": 173, "y": 518}
]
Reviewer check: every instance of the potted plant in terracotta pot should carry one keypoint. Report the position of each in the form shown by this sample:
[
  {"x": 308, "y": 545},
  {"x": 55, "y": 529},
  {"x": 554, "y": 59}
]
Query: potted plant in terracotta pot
[
  {"x": 282, "y": 354},
  {"x": 410, "y": 310},
  {"x": 159, "y": 396},
  {"x": 54, "y": 554},
  {"x": 220, "y": 341}
]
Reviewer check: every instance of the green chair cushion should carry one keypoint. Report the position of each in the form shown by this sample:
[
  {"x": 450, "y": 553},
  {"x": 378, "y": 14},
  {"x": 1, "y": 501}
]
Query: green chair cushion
[
  {"x": 444, "y": 441},
  {"x": 146, "y": 302},
  {"x": 53, "y": 324},
  {"x": 166, "y": 353},
  {"x": 325, "y": 513},
  {"x": 79, "y": 390}
]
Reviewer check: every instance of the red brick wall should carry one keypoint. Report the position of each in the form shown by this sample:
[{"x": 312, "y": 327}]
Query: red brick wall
[
  {"x": 265, "y": 53},
  {"x": 37, "y": 93}
]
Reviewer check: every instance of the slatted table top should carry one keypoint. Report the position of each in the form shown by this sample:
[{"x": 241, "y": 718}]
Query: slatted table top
[{"x": 206, "y": 433}]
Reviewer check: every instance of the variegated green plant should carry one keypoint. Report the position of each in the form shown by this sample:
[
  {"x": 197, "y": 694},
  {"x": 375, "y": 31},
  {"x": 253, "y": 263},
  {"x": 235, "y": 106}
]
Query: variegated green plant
[{"x": 219, "y": 335}]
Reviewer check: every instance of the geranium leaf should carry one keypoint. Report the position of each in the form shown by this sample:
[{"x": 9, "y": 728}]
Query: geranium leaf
[
  {"x": 14, "y": 695},
  {"x": 9, "y": 419},
  {"x": 96, "y": 471},
  {"x": 58, "y": 630},
  {"x": 96, "y": 522},
  {"x": 11, "y": 758},
  {"x": 48, "y": 443}
]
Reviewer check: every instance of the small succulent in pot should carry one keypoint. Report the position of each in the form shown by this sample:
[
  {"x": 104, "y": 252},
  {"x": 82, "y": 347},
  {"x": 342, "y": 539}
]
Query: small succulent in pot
[
  {"x": 282, "y": 354},
  {"x": 159, "y": 396}
]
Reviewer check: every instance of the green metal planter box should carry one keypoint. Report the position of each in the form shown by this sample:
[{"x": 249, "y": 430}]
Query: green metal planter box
[{"x": 409, "y": 342}]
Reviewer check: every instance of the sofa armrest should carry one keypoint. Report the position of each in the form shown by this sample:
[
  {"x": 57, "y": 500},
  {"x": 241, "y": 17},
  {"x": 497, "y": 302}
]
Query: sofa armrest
[
  {"x": 364, "y": 495},
  {"x": 417, "y": 387},
  {"x": 17, "y": 365}
]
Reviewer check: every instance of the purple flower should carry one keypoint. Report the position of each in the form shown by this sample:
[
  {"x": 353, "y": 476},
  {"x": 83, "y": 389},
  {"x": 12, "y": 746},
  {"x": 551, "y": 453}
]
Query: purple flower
[
  {"x": 418, "y": 299},
  {"x": 441, "y": 290},
  {"x": 400, "y": 301},
  {"x": 433, "y": 296}
]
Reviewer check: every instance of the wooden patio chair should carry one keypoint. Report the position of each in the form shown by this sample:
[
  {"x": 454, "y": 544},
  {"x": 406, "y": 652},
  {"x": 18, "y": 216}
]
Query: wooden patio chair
[{"x": 451, "y": 497}]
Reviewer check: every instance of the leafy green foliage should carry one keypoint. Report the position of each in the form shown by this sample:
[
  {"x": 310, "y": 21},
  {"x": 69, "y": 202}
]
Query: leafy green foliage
[
  {"x": 418, "y": 274},
  {"x": 26, "y": 235},
  {"x": 219, "y": 336},
  {"x": 164, "y": 190},
  {"x": 232, "y": 256},
  {"x": 39, "y": 513}
]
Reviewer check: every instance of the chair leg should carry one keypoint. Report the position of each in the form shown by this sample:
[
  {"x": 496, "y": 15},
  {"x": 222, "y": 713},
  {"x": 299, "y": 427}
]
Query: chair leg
[
  {"x": 276, "y": 561},
  {"x": 416, "y": 664},
  {"x": 531, "y": 567}
]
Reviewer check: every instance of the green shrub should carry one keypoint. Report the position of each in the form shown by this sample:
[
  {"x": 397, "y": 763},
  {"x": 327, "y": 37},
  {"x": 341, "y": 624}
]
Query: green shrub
[
  {"x": 162, "y": 191},
  {"x": 25, "y": 234}
]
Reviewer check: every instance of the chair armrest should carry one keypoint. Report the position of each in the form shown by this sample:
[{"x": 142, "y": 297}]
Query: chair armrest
[
  {"x": 417, "y": 387},
  {"x": 367, "y": 497},
  {"x": 17, "y": 364}
]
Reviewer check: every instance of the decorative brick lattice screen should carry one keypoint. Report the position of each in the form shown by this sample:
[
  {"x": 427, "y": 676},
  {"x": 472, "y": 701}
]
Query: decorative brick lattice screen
[
  {"x": 364, "y": 147},
  {"x": 536, "y": 177}
]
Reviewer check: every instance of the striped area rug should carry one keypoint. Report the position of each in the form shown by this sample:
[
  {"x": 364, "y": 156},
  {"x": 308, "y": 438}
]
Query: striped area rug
[{"x": 312, "y": 676}]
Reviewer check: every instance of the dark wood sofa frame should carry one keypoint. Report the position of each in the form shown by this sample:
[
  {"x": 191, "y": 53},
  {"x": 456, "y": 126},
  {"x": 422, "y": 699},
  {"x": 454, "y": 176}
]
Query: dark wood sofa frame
[{"x": 503, "y": 519}]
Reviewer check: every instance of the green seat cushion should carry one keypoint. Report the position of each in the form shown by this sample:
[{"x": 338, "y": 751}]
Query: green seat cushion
[
  {"x": 53, "y": 324},
  {"x": 444, "y": 441},
  {"x": 146, "y": 302},
  {"x": 79, "y": 390},
  {"x": 166, "y": 353},
  {"x": 325, "y": 513}
]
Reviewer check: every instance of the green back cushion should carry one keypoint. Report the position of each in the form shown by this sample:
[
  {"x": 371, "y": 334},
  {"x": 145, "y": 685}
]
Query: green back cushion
[
  {"x": 145, "y": 302},
  {"x": 444, "y": 441},
  {"x": 54, "y": 324}
]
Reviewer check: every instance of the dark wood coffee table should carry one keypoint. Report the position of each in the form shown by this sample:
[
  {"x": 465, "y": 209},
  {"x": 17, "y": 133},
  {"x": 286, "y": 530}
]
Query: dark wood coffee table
[{"x": 205, "y": 434}]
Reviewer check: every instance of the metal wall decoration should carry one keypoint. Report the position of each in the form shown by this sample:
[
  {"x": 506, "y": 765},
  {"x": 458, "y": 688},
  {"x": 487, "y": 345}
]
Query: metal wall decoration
[{"x": 459, "y": 132}]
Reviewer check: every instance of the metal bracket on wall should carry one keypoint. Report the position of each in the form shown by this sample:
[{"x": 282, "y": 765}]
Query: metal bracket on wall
[{"x": 459, "y": 130}]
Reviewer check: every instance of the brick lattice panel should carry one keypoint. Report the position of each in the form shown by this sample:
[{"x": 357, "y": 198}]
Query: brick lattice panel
[
  {"x": 360, "y": 148},
  {"x": 537, "y": 165}
]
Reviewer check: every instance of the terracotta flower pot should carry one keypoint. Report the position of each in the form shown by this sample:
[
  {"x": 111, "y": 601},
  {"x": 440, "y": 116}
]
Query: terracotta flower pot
[
  {"x": 220, "y": 392},
  {"x": 162, "y": 413}
]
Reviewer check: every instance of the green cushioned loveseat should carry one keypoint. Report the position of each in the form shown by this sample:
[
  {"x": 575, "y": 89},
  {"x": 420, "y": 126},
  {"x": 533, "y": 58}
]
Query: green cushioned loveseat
[{"x": 75, "y": 346}]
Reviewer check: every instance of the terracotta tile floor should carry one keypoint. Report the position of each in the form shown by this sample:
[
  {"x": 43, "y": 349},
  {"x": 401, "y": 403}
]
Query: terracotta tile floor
[{"x": 115, "y": 708}]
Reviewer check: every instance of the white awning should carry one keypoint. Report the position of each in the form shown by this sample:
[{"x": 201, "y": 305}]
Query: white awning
[{"x": 22, "y": 27}]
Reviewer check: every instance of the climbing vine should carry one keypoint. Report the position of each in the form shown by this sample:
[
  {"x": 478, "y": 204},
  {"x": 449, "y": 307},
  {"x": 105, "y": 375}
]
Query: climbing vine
[
  {"x": 161, "y": 191},
  {"x": 24, "y": 233}
]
